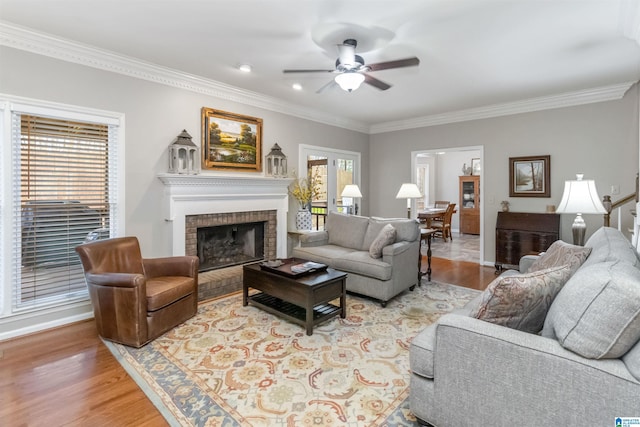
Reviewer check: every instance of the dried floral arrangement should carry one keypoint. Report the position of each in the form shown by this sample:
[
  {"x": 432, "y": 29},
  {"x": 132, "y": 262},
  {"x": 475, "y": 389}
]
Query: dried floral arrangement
[{"x": 304, "y": 190}]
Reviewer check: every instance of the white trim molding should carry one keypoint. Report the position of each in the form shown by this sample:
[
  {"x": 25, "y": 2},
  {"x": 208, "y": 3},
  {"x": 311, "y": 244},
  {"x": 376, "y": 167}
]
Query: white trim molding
[
  {"x": 568, "y": 99},
  {"x": 29, "y": 40},
  {"x": 210, "y": 194}
]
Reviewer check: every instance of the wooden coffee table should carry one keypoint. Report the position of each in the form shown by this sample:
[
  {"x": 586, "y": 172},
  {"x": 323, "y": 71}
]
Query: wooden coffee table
[{"x": 304, "y": 300}]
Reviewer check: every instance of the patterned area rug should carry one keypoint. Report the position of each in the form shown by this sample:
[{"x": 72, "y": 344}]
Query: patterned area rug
[{"x": 240, "y": 366}]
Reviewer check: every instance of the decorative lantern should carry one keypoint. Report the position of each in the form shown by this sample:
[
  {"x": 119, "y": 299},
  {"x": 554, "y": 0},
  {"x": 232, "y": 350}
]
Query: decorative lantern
[
  {"x": 276, "y": 162},
  {"x": 184, "y": 155}
]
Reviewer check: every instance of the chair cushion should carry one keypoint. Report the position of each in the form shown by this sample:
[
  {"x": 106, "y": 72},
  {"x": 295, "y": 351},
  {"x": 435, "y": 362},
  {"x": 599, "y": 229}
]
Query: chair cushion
[
  {"x": 360, "y": 262},
  {"x": 346, "y": 230},
  {"x": 407, "y": 230},
  {"x": 325, "y": 254},
  {"x": 165, "y": 290},
  {"x": 597, "y": 314},
  {"x": 521, "y": 301},
  {"x": 609, "y": 244},
  {"x": 386, "y": 237},
  {"x": 561, "y": 253}
]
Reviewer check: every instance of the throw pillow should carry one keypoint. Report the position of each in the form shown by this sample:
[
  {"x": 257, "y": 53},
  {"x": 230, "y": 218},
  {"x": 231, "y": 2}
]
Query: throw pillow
[
  {"x": 521, "y": 301},
  {"x": 597, "y": 314},
  {"x": 385, "y": 237},
  {"x": 561, "y": 253}
]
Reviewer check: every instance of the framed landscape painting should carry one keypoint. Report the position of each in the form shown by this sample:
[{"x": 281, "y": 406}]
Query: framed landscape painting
[
  {"x": 530, "y": 176},
  {"x": 231, "y": 141}
]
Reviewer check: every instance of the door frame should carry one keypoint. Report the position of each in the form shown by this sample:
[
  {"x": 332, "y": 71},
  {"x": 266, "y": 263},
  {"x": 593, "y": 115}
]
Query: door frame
[
  {"x": 436, "y": 151},
  {"x": 331, "y": 154}
]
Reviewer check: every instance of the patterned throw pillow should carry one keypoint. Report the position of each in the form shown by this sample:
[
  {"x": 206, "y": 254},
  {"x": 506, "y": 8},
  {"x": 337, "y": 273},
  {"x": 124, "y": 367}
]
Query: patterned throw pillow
[
  {"x": 521, "y": 301},
  {"x": 561, "y": 253},
  {"x": 385, "y": 237}
]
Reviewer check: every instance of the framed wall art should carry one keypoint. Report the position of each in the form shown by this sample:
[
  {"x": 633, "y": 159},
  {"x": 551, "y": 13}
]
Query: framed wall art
[
  {"x": 530, "y": 176},
  {"x": 475, "y": 166},
  {"x": 231, "y": 141}
]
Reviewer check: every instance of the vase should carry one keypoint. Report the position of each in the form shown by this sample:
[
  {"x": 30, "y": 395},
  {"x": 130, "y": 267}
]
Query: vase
[{"x": 303, "y": 219}]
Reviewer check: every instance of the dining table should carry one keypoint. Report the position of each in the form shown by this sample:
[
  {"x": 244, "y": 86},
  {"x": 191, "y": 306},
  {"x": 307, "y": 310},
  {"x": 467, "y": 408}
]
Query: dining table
[{"x": 429, "y": 214}]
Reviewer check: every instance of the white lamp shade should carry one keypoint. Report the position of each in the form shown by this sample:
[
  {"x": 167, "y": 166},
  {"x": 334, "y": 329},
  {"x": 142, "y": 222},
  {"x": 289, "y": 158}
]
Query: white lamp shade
[
  {"x": 349, "y": 81},
  {"x": 580, "y": 196},
  {"x": 409, "y": 191},
  {"x": 351, "y": 190}
]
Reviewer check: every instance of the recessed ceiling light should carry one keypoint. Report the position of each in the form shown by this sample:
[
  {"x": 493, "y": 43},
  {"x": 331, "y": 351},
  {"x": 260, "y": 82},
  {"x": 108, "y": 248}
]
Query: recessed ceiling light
[
  {"x": 296, "y": 86},
  {"x": 246, "y": 68}
]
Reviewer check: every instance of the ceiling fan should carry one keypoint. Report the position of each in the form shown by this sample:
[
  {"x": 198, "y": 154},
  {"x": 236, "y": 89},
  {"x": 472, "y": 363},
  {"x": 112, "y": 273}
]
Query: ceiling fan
[{"x": 352, "y": 70}]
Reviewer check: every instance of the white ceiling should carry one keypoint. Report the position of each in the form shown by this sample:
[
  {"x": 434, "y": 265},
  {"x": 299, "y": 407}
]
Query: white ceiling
[{"x": 473, "y": 53}]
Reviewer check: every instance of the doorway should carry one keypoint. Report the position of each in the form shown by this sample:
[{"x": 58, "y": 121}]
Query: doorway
[
  {"x": 335, "y": 169},
  {"x": 437, "y": 174}
]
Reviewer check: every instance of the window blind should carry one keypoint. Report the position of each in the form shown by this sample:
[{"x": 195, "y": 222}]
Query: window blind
[{"x": 61, "y": 195}]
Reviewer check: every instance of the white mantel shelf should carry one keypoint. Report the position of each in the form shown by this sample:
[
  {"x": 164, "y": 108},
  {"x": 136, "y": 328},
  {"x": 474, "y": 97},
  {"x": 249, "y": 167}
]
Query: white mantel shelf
[
  {"x": 208, "y": 194},
  {"x": 222, "y": 180}
]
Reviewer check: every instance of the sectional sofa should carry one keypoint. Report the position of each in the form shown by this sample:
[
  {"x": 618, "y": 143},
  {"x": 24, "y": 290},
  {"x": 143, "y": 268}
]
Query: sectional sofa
[{"x": 557, "y": 345}]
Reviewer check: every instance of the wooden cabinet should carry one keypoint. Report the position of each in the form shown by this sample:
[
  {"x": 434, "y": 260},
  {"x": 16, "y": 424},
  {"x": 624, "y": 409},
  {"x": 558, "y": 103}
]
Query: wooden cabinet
[
  {"x": 469, "y": 206},
  {"x": 521, "y": 233}
]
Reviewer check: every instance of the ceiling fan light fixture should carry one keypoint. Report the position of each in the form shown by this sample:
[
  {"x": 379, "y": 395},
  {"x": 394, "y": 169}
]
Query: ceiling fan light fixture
[{"x": 349, "y": 81}]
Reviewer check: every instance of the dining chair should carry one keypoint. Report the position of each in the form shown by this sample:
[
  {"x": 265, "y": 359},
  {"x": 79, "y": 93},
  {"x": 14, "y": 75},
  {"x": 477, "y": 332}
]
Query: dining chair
[
  {"x": 443, "y": 227},
  {"x": 135, "y": 299},
  {"x": 441, "y": 204}
]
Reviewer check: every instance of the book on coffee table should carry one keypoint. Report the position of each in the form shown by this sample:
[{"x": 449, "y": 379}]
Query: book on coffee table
[
  {"x": 293, "y": 267},
  {"x": 306, "y": 267}
]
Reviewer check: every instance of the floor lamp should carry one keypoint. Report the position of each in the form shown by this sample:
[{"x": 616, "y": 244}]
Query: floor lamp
[
  {"x": 352, "y": 191},
  {"x": 409, "y": 191},
  {"x": 580, "y": 197}
]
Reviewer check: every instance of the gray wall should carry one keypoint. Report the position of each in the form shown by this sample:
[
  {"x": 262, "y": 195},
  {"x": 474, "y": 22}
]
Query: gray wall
[
  {"x": 155, "y": 114},
  {"x": 599, "y": 140}
]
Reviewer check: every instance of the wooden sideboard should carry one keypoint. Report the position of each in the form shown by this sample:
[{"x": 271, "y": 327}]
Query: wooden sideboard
[{"x": 522, "y": 233}]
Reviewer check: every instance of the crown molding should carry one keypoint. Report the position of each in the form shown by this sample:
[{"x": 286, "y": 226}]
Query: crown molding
[
  {"x": 568, "y": 99},
  {"x": 26, "y": 39}
]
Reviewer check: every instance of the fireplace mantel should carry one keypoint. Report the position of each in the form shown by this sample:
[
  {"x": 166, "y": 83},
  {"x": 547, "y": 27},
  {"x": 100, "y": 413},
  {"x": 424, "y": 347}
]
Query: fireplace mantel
[{"x": 206, "y": 193}]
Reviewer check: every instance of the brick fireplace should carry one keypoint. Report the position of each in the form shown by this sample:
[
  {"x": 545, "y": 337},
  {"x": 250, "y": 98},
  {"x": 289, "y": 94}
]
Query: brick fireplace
[{"x": 193, "y": 201}]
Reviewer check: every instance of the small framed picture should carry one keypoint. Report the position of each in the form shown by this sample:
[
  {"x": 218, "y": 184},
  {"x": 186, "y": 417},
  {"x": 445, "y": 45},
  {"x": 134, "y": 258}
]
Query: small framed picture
[
  {"x": 475, "y": 166},
  {"x": 530, "y": 176},
  {"x": 231, "y": 141}
]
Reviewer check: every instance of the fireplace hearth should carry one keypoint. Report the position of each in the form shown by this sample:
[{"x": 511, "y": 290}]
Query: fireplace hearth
[
  {"x": 207, "y": 200},
  {"x": 223, "y": 242}
]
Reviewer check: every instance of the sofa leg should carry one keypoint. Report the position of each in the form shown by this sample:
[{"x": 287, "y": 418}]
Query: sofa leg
[
  {"x": 383, "y": 304},
  {"x": 411, "y": 288}
]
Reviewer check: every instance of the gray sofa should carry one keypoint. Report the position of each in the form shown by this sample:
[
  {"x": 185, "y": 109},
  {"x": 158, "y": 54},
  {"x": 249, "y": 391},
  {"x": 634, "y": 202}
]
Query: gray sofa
[
  {"x": 346, "y": 245},
  {"x": 582, "y": 368}
]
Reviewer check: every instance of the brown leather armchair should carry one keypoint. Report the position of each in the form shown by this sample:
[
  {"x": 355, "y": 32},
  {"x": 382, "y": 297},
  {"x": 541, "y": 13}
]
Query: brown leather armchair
[{"x": 135, "y": 300}]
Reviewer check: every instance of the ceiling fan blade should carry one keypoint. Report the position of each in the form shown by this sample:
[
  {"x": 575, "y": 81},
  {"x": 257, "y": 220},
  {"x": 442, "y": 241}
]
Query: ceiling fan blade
[
  {"x": 399, "y": 63},
  {"x": 329, "y": 85},
  {"x": 308, "y": 71},
  {"x": 375, "y": 82}
]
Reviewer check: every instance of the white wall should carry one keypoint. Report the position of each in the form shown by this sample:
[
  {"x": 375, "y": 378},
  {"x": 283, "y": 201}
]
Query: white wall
[{"x": 600, "y": 140}]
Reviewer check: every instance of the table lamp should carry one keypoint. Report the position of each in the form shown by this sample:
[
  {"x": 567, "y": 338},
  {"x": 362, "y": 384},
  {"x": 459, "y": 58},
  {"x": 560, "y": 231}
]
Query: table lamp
[
  {"x": 580, "y": 197},
  {"x": 352, "y": 191},
  {"x": 409, "y": 191}
]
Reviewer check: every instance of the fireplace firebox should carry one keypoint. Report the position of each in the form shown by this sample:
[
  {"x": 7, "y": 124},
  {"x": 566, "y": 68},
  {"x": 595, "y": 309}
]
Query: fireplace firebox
[{"x": 230, "y": 244}]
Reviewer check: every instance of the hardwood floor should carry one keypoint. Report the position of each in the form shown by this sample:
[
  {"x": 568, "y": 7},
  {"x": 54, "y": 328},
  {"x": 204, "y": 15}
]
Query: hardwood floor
[{"x": 67, "y": 376}]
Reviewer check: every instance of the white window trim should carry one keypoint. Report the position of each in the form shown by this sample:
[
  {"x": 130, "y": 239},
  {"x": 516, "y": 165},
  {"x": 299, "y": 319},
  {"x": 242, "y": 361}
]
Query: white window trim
[{"x": 16, "y": 324}]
